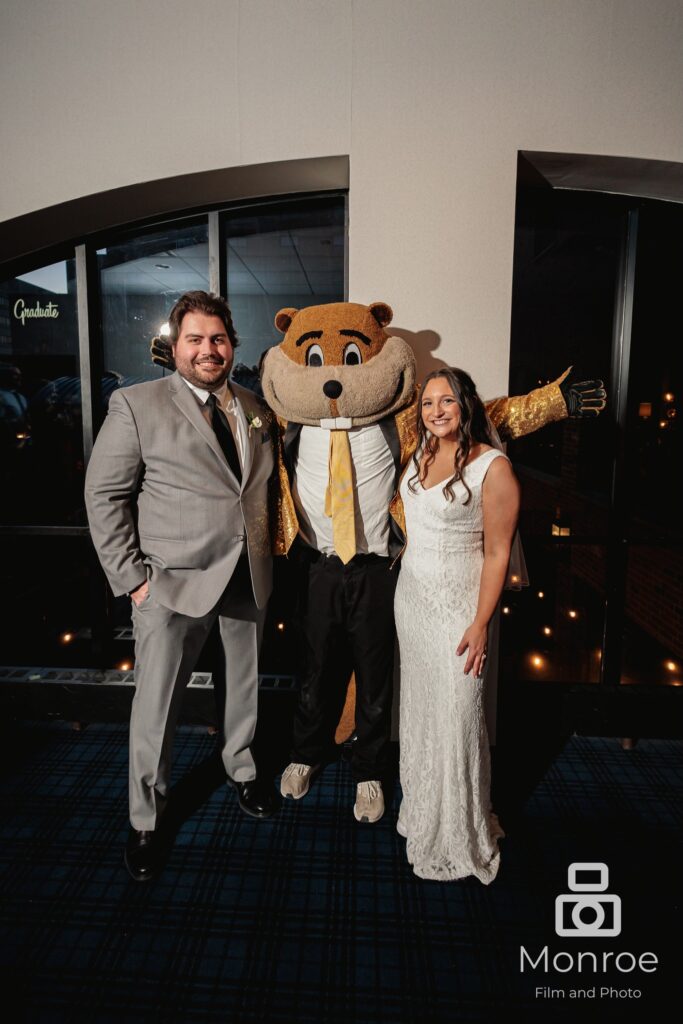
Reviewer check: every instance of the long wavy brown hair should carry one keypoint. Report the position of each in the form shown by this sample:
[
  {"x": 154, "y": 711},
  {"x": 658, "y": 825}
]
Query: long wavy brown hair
[{"x": 474, "y": 429}]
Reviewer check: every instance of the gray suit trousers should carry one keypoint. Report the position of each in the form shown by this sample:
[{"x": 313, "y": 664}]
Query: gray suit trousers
[{"x": 167, "y": 645}]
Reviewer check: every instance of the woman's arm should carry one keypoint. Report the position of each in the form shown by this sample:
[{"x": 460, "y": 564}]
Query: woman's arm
[{"x": 500, "y": 500}]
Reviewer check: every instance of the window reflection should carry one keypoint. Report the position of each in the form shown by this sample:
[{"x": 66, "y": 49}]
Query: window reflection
[
  {"x": 567, "y": 249},
  {"x": 566, "y": 256},
  {"x": 41, "y": 449},
  {"x": 287, "y": 254},
  {"x": 57, "y": 609},
  {"x": 140, "y": 279},
  {"x": 552, "y": 630},
  {"x": 566, "y": 260},
  {"x": 47, "y": 603},
  {"x": 653, "y": 628}
]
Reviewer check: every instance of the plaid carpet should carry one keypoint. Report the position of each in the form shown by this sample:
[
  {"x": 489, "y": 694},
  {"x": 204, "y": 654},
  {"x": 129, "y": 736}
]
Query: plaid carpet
[{"x": 309, "y": 916}]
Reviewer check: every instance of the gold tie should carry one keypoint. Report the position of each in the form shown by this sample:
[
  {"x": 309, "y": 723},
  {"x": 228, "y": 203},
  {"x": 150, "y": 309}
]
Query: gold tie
[{"x": 339, "y": 504}]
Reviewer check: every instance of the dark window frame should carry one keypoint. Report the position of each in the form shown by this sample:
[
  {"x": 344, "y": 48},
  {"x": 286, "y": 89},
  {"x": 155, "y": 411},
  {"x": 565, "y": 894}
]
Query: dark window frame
[
  {"x": 607, "y": 707},
  {"x": 77, "y": 228},
  {"x": 28, "y": 243}
]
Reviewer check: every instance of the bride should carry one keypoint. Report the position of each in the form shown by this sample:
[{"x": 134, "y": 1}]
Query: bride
[{"x": 461, "y": 505}]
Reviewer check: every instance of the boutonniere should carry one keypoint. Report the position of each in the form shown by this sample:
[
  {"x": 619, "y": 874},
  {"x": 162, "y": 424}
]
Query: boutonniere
[{"x": 255, "y": 422}]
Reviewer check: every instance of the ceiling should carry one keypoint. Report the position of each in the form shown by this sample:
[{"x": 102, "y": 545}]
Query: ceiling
[{"x": 301, "y": 262}]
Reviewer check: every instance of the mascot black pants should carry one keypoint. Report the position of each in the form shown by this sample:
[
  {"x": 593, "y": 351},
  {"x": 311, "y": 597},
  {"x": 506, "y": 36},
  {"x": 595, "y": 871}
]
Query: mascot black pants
[{"x": 347, "y": 622}]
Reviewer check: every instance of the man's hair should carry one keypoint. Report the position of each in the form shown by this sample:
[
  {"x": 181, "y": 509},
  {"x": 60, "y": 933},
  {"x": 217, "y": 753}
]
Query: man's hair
[{"x": 201, "y": 302}]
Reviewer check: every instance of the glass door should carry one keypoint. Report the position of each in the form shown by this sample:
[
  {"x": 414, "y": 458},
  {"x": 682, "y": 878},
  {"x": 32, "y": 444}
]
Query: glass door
[
  {"x": 599, "y": 633},
  {"x": 652, "y": 630},
  {"x": 566, "y": 266}
]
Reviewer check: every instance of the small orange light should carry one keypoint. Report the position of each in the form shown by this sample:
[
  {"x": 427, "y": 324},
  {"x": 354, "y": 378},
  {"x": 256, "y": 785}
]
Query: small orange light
[
  {"x": 21, "y": 437},
  {"x": 540, "y": 594},
  {"x": 514, "y": 579},
  {"x": 505, "y": 610},
  {"x": 125, "y": 666},
  {"x": 537, "y": 661},
  {"x": 663, "y": 424},
  {"x": 547, "y": 631},
  {"x": 66, "y": 638},
  {"x": 668, "y": 397},
  {"x": 572, "y": 614},
  {"x": 281, "y": 627},
  {"x": 671, "y": 665}
]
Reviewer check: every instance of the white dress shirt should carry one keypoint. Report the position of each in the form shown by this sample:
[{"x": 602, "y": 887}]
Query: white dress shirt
[
  {"x": 232, "y": 409},
  {"x": 374, "y": 476}
]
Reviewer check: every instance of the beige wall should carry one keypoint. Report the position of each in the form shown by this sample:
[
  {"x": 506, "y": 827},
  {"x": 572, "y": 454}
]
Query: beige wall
[{"x": 431, "y": 101}]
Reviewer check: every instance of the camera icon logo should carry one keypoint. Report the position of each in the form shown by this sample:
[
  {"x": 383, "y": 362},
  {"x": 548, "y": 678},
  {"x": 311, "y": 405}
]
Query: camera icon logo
[{"x": 588, "y": 910}]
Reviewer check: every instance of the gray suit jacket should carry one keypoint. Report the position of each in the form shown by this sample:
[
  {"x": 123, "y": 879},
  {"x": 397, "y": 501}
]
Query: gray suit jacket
[{"x": 164, "y": 505}]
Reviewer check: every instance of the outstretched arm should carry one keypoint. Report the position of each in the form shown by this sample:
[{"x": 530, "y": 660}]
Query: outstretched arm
[{"x": 515, "y": 417}]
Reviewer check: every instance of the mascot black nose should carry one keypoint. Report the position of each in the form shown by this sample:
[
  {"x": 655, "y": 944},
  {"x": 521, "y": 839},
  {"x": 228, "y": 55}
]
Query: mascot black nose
[{"x": 332, "y": 388}]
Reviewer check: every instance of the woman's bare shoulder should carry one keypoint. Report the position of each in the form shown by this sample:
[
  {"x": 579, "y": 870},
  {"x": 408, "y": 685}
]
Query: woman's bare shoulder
[
  {"x": 500, "y": 475},
  {"x": 476, "y": 450}
]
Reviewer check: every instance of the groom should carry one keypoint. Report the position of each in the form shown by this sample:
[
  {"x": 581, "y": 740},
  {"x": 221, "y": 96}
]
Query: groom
[{"x": 176, "y": 493}]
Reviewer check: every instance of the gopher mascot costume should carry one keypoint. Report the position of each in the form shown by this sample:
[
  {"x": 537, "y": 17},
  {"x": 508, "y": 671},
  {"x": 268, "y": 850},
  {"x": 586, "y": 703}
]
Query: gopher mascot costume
[{"x": 343, "y": 390}]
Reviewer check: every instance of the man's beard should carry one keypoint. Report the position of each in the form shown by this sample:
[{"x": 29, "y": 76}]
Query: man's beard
[{"x": 212, "y": 384}]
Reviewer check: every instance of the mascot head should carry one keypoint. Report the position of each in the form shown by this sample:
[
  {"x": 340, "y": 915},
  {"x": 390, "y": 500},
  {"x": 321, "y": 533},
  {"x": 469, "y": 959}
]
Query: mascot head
[{"x": 337, "y": 366}]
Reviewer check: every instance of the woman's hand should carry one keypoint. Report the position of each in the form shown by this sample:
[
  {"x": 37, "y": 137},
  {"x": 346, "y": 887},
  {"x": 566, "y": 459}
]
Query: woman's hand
[{"x": 474, "y": 641}]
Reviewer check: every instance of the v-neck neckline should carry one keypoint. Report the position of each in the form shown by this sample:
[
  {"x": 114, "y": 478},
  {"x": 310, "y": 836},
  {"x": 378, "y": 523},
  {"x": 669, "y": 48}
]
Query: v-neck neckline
[{"x": 470, "y": 463}]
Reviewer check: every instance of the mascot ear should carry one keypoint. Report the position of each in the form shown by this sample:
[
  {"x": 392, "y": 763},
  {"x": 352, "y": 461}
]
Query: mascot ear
[
  {"x": 284, "y": 318},
  {"x": 382, "y": 313}
]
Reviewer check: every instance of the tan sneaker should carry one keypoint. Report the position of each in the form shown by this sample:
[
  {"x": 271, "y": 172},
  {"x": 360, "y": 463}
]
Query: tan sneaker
[
  {"x": 369, "y": 805},
  {"x": 296, "y": 779}
]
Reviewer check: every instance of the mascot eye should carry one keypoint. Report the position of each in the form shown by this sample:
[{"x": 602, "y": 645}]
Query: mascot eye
[
  {"x": 352, "y": 355},
  {"x": 314, "y": 356}
]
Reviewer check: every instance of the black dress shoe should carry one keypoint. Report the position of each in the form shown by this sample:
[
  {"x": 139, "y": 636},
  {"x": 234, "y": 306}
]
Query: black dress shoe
[
  {"x": 255, "y": 797},
  {"x": 142, "y": 855}
]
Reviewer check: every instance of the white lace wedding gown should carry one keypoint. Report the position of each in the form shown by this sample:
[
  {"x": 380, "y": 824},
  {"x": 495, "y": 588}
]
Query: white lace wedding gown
[{"x": 444, "y": 750}]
